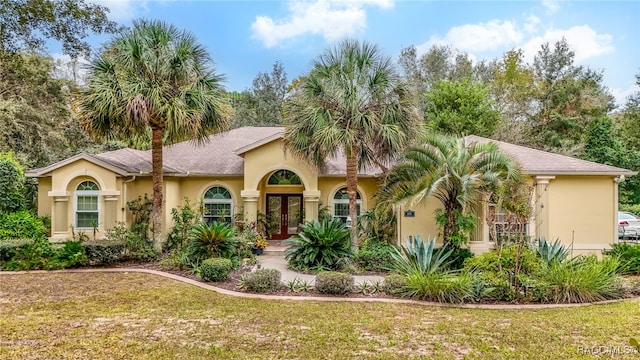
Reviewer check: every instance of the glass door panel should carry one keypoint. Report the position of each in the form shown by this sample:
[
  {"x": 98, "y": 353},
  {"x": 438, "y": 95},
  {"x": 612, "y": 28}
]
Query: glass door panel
[
  {"x": 294, "y": 207},
  {"x": 274, "y": 209}
]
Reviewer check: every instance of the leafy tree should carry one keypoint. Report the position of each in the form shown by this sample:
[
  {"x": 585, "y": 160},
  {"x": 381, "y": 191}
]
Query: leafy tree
[
  {"x": 262, "y": 105},
  {"x": 446, "y": 168},
  {"x": 26, "y": 24},
  {"x": 35, "y": 121},
  {"x": 153, "y": 82},
  {"x": 461, "y": 107},
  {"x": 11, "y": 184},
  {"x": 569, "y": 97},
  {"x": 353, "y": 104}
]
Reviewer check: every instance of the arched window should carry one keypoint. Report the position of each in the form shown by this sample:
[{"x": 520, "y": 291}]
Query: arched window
[
  {"x": 284, "y": 177},
  {"x": 341, "y": 204},
  {"x": 87, "y": 207},
  {"x": 217, "y": 205}
]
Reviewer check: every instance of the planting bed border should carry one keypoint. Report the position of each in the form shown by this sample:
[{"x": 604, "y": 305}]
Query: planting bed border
[{"x": 319, "y": 298}]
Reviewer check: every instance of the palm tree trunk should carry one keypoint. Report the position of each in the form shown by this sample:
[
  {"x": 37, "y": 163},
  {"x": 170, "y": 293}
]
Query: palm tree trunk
[
  {"x": 352, "y": 188},
  {"x": 156, "y": 165}
]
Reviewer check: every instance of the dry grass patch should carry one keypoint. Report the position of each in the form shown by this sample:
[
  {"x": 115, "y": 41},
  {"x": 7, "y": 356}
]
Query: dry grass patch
[{"x": 142, "y": 316}]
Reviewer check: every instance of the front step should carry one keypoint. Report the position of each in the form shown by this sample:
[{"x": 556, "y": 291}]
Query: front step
[
  {"x": 274, "y": 250},
  {"x": 275, "y": 242}
]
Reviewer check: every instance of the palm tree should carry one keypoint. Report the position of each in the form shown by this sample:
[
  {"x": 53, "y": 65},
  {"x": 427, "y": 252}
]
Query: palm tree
[
  {"x": 352, "y": 104},
  {"x": 153, "y": 82},
  {"x": 450, "y": 170}
]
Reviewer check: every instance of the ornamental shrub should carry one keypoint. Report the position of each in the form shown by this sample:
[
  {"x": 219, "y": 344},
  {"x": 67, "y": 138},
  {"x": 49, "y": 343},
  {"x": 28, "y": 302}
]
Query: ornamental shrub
[
  {"x": 629, "y": 256},
  {"x": 261, "y": 280},
  {"x": 103, "y": 253},
  {"x": 21, "y": 225},
  {"x": 11, "y": 184},
  {"x": 374, "y": 255},
  {"x": 215, "y": 269},
  {"x": 324, "y": 244},
  {"x": 395, "y": 284},
  {"x": 333, "y": 282},
  {"x": 9, "y": 248}
]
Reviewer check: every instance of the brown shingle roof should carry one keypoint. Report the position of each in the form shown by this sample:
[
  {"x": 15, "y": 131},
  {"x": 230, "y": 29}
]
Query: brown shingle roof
[
  {"x": 222, "y": 153},
  {"x": 538, "y": 162}
]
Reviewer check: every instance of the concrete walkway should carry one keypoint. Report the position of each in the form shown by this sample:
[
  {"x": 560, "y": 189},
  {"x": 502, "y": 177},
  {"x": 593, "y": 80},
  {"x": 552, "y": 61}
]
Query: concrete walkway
[{"x": 271, "y": 261}]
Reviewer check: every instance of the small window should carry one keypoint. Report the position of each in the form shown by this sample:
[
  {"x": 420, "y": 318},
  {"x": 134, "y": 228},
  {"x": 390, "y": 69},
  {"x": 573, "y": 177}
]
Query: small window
[
  {"x": 506, "y": 225},
  {"x": 217, "y": 205},
  {"x": 341, "y": 204},
  {"x": 284, "y": 177},
  {"x": 86, "y": 205}
]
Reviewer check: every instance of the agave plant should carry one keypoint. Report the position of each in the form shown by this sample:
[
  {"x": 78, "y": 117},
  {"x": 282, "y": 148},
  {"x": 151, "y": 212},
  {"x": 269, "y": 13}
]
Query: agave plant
[
  {"x": 212, "y": 240},
  {"x": 552, "y": 253},
  {"x": 419, "y": 257},
  {"x": 319, "y": 245}
]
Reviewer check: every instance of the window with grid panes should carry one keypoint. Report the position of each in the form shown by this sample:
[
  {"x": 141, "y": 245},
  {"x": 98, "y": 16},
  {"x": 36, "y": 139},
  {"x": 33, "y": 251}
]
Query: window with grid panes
[
  {"x": 86, "y": 205},
  {"x": 217, "y": 205},
  {"x": 341, "y": 204}
]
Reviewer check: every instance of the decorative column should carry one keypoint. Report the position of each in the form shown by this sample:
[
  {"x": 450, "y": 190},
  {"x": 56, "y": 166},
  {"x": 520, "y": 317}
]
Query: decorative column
[
  {"x": 541, "y": 210},
  {"x": 250, "y": 199},
  {"x": 311, "y": 202},
  {"x": 60, "y": 214}
]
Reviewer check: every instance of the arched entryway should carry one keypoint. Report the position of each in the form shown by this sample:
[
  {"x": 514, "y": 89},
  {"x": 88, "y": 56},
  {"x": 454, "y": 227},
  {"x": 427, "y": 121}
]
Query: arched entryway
[{"x": 284, "y": 203}]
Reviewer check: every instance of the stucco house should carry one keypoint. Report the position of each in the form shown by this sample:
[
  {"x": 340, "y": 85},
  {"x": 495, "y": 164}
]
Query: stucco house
[{"x": 247, "y": 170}]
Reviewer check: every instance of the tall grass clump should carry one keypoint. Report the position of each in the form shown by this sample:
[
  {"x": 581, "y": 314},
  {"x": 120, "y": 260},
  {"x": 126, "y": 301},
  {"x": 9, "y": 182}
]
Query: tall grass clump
[{"x": 579, "y": 280}]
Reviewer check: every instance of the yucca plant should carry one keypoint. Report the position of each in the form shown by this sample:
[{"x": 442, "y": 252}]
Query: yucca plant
[
  {"x": 319, "y": 245},
  {"x": 420, "y": 257},
  {"x": 212, "y": 240},
  {"x": 552, "y": 253}
]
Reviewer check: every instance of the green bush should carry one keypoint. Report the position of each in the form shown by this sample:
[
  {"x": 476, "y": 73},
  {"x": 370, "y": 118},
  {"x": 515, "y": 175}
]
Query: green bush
[
  {"x": 333, "y": 282},
  {"x": 9, "y": 248},
  {"x": 395, "y": 284},
  {"x": 420, "y": 257},
  {"x": 374, "y": 255},
  {"x": 21, "y": 225},
  {"x": 71, "y": 254},
  {"x": 441, "y": 287},
  {"x": 319, "y": 245},
  {"x": 215, "y": 269},
  {"x": 11, "y": 184},
  {"x": 579, "y": 280},
  {"x": 629, "y": 256},
  {"x": 103, "y": 253},
  {"x": 35, "y": 256},
  {"x": 458, "y": 257},
  {"x": 495, "y": 275},
  {"x": 261, "y": 280},
  {"x": 184, "y": 218}
]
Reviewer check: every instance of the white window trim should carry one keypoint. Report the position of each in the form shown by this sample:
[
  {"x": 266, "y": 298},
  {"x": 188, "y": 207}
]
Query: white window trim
[
  {"x": 78, "y": 193},
  {"x": 217, "y": 201},
  {"x": 335, "y": 201}
]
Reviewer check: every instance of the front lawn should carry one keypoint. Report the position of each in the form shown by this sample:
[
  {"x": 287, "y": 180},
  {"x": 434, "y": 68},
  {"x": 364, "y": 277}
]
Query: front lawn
[{"x": 142, "y": 316}]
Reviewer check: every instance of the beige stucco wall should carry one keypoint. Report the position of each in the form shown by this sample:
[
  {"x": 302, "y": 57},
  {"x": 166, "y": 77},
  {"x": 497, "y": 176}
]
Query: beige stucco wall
[
  {"x": 582, "y": 209},
  {"x": 44, "y": 200},
  {"x": 58, "y": 195},
  {"x": 270, "y": 157},
  {"x": 423, "y": 224}
]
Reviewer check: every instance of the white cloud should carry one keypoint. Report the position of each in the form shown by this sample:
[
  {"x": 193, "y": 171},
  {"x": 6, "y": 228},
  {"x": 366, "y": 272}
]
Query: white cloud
[
  {"x": 66, "y": 68},
  {"x": 122, "y": 10},
  {"x": 583, "y": 40},
  {"x": 551, "y": 5},
  {"x": 531, "y": 24},
  {"x": 621, "y": 95},
  {"x": 488, "y": 36},
  {"x": 331, "y": 19}
]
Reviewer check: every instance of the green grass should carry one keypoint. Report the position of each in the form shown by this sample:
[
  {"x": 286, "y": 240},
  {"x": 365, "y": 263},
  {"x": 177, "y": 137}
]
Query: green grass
[{"x": 142, "y": 316}]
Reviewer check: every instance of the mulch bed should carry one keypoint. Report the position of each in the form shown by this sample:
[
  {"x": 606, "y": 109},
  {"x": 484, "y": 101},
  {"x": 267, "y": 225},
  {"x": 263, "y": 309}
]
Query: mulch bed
[{"x": 234, "y": 278}]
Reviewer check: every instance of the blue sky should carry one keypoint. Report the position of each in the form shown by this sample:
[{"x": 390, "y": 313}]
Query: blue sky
[{"x": 247, "y": 37}]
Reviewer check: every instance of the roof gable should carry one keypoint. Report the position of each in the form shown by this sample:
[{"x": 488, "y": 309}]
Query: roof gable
[{"x": 82, "y": 156}]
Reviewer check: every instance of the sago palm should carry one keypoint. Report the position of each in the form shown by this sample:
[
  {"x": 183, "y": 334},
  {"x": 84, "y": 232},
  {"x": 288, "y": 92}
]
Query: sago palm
[
  {"x": 449, "y": 170},
  {"x": 354, "y": 105},
  {"x": 153, "y": 82}
]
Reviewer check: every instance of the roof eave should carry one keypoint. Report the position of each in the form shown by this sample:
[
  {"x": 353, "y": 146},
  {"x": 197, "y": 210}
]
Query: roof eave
[
  {"x": 583, "y": 173},
  {"x": 257, "y": 144},
  {"x": 82, "y": 156}
]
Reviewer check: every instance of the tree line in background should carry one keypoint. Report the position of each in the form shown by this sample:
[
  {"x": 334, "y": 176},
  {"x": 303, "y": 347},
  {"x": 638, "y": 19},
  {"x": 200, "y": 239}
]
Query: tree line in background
[{"x": 552, "y": 103}]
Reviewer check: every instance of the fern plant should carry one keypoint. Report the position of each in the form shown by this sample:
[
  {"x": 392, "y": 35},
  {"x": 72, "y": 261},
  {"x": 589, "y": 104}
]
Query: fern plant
[{"x": 319, "y": 245}]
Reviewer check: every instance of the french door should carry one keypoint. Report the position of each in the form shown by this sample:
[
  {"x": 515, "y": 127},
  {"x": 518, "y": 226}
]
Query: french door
[{"x": 286, "y": 212}]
